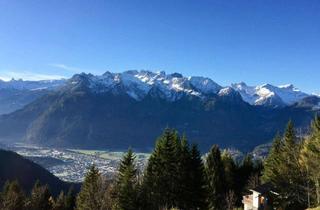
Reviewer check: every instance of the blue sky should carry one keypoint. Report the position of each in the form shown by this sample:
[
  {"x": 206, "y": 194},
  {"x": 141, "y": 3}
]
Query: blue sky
[{"x": 256, "y": 41}]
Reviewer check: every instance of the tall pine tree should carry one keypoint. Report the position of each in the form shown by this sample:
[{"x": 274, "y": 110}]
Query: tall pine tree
[
  {"x": 70, "y": 199},
  {"x": 310, "y": 158},
  {"x": 126, "y": 184},
  {"x": 215, "y": 179},
  {"x": 161, "y": 175},
  {"x": 60, "y": 203},
  {"x": 184, "y": 174},
  {"x": 229, "y": 169},
  {"x": 175, "y": 175},
  {"x": 197, "y": 181},
  {"x": 89, "y": 197},
  {"x": 273, "y": 161},
  {"x": 192, "y": 191},
  {"x": 40, "y": 197},
  {"x": 283, "y": 170},
  {"x": 233, "y": 188},
  {"x": 291, "y": 171}
]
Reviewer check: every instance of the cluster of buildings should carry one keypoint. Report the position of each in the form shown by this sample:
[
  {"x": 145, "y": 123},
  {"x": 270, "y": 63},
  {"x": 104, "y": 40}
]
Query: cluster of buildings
[{"x": 71, "y": 165}]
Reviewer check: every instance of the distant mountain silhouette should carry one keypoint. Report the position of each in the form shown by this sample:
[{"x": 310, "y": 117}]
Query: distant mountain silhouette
[{"x": 15, "y": 94}]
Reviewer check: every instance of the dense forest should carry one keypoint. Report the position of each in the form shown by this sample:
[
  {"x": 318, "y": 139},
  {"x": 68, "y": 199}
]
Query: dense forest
[{"x": 178, "y": 177}]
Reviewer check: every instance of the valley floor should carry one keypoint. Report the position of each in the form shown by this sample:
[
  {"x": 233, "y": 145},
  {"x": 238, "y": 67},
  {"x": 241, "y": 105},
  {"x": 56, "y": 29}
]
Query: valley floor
[{"x": 71, "y": 164}]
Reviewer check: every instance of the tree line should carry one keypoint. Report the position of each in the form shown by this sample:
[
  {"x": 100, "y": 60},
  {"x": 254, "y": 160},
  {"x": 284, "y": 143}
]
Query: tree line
[
  {"x": 13, "y": 197},
  {"x": 178, "y": 177}
]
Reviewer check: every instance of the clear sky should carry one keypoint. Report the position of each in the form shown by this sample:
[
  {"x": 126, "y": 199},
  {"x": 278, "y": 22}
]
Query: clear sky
[{"x": 256, "y": 41}]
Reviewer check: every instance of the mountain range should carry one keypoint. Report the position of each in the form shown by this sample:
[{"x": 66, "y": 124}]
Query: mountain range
[
  {"x": 118, "y": 110},
  {"x": 14, "y": 94}
]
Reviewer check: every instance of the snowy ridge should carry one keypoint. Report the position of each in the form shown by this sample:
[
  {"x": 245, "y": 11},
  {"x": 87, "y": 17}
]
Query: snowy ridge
[
  {"x": 267, "y": 94},
  {"x": 225, "y": 91},
  {"x": 138, "y": 84}
]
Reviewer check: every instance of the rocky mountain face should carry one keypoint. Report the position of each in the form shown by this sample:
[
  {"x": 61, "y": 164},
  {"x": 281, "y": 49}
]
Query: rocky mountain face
[
  {"x": 118, "y": 110},
  {"x": 140, "y": 84}
]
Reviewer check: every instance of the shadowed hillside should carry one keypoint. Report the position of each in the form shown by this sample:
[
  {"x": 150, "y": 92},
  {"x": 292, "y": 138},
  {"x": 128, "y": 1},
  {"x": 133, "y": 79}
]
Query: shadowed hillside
[{"x": 15, "y": 167}]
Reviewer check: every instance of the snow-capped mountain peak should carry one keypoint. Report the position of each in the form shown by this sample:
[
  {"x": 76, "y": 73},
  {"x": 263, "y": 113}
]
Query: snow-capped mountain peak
[
  {"x": 171, "y": 87},
  {"x": 205, "y": 85},
  {"x": 288, "y": 86},
  {"x": 226, "y": 91},
  {"x": 138, "y": 84},
  {"x": 267, "y": 94}
]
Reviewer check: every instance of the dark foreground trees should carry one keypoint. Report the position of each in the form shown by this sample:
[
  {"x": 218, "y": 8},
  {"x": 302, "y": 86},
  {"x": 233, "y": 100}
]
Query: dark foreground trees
[
  {"x": 293, "y": 168},
  {"x": 178, "y": 177},
  {"x": 215, "y": 175},
  {"x": 94, "y": 192},
  {"x": 310, "y": 160},
  {"x": 126, "y": 187},
  {"x": 13, "y": 197},
  {"x": 283, "y": 170},
  {"x": 175, "y": 175}
]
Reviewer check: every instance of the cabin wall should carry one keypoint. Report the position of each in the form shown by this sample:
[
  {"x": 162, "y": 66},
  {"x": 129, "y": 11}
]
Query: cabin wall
[{"x": 255, "y": 199}]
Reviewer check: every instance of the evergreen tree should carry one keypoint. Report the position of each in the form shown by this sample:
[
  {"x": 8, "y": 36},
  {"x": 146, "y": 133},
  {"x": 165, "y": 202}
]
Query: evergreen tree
[
  {"x": 234, "y": 182},
  {"x": 60, "y": 203},
  {"x": 283, "y": 170},
  {"x": 160, "y": 184},
  {"x": 310, "y": 158},
  {"x": 197, "y": 181},
  {"x": 293, "y": 184},
  {"x": 184, "y": 170},
  {"x": 40, "y": 197},
  {"x": 175, "y": 175},
  {"x": 229, "y": 169},
  {"x": 243, "y": 170},
  {"x": 126, "y": 184},
  {"x": 108, "y": 200},
  {"x": 215, "y": 179},
  {"x": 13, "y": 197},
  {"x": 70, "y": 199},
  {"x": 89, "y": 197},
  {"x": 191, "y": 177},
  {"x": 247, "y": 168},
  {"x": 273, "y": 161}
]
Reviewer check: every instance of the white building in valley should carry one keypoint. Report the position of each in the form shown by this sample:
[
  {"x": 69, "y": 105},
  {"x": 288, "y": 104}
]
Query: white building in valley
[{"x": 259, "y": 199}]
